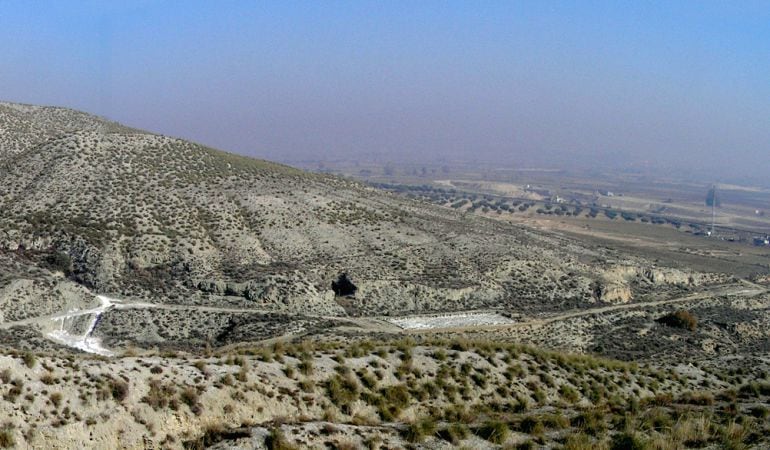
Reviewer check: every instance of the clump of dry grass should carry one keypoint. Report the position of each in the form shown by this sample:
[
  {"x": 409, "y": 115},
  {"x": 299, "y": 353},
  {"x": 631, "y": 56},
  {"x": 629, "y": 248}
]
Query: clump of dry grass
[{"x": 6, "y": 436}]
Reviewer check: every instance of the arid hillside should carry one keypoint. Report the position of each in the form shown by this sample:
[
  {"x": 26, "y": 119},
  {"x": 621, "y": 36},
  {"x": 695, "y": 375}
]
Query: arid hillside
[
  {"x": 140, "y": 215},
  {"x": 155, "y": 293}
]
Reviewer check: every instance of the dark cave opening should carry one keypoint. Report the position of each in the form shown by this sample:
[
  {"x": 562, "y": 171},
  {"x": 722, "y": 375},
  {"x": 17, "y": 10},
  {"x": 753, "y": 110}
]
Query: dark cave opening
[{"x": 343, "y": 287}]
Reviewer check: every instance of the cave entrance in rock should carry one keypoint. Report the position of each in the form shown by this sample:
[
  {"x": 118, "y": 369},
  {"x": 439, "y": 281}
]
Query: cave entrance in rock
[{"x": 343, "y": 287}]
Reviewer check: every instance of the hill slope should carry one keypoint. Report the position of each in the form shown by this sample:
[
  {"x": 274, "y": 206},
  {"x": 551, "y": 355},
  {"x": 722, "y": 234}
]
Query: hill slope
[{"x": 143, "y": 215}]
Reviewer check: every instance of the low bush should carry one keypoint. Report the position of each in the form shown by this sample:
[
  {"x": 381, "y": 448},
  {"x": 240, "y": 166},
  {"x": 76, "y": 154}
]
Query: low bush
[
  {"x": 680, "y": 319},
  {"x": 119, "y": 390},
  {"x": 419, "y": 430},
  {"x": 6, "y": 437},
  {"x": 494, "y": 431}
]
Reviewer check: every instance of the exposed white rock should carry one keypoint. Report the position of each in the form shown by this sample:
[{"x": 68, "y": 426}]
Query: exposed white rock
[
  {"x": 450, "y": 321},
  {"x": 85, "y": 341}
]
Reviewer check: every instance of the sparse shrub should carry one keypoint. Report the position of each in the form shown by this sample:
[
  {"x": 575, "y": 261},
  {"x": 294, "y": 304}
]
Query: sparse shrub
[
  {"x": 119, "y": 390},
  {"x": 591, "y": 422},
  {"x": 539, "y": 395},
  {"x": 368, "y": 380},
  {"x": 698, "y": 398},
  {"x": 734, "y": 436},
  {"x": 190, "y": 397},
  {"x": 47, "y": 378},
  {"x": 29, "y": 359},
  {"x": 455, "y": 433},
  {"x": 243, "y": 374},
  {"x": 569, "y": 393},
  {"x": 419, "y": 430},
  {"x": 307, "y": 385},
  {"x": 580, "y": 441},
  {"x": 680, "y": 319},
  {"x": 659, "y": 400},
  {"x": 495, "y": 431},
  {"x": 159, "y": 396},
  {"x": 555, "y": 421},
  {"x": 754, "y": 390},
  {"x": 439, "y": 355},
  {"x": 276, "y": 440},
  {"x": 15, "y": 391},
  {"x": 200, "y": 365},
  {"x": 305, "y": 367},
  {"x": 397, "y": 395},
  {"x": 60, "y": 261},
  {"x": 6, "y": 437},
  {"x": 628, "y": 441},
  {"x": 342, "y": 391},
  {"x": 657, "y": 419},
  {"x": 56, "y": 399},
  {"x": 227, "y": 380},
  {"x": 531, "y": 425},
  {"x": 760, "y": 412}
]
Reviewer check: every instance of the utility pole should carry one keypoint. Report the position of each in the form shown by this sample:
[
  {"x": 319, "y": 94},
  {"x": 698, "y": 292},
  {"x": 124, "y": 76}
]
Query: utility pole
[{"x": 713, "y": 208}]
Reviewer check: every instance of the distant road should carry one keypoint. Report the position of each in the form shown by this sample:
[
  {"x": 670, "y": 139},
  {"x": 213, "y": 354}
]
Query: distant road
[
  {"x": 376, "y": 324},
  {"x": 746, "y": 289}
]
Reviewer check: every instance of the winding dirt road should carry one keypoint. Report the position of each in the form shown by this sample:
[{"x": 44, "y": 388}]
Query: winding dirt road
[
  {"x": 741, "y": 289},
  {"x": 87, "y": 343}
]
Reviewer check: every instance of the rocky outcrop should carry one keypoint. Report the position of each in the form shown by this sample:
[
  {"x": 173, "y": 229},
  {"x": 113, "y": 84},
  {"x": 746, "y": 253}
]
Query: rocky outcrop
[{"x": 616, "y": 284}]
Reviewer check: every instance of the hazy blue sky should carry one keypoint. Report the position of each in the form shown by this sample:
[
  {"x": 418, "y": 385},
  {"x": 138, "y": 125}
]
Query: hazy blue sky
[{"x": 672, "y": 83}]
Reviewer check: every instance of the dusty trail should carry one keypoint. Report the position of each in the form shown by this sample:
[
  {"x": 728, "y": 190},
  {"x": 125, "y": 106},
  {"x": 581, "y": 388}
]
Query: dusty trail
[
  {"x": 86, "y": 342},
  {"x": 754, "y": 290}
]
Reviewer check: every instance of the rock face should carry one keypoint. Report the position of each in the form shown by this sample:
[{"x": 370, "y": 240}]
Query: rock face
[
  {"x": 617, "y": 284},
  {"x": 143, "y": 215},
  {"x": 612, "y": 292}
]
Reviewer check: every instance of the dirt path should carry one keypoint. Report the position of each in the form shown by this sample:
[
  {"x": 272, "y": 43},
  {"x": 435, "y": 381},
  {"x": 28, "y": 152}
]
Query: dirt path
[
  {"x": 751, "y": 291},
  {"x": 377, "y": 324}
]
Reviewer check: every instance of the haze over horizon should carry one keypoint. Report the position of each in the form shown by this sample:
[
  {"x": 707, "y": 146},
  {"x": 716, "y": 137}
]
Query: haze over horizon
[{"x": 664, "y": 84}]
